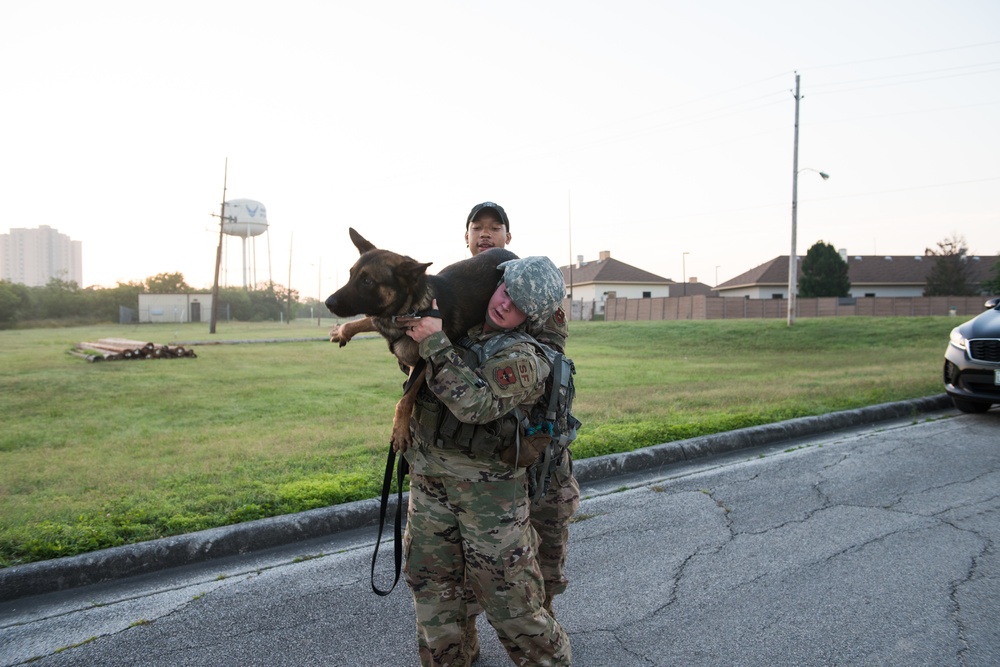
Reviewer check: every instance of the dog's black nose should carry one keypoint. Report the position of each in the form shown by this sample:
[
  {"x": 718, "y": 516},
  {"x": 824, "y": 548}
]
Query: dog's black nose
[{"x": 331, "y": 302}]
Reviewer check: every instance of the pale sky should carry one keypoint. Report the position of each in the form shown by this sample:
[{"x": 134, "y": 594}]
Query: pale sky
[{"x": 649, "y": 129}]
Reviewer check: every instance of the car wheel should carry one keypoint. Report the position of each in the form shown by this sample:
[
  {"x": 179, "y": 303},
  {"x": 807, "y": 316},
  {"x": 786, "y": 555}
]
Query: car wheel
[{"x": 971, "y": 407}]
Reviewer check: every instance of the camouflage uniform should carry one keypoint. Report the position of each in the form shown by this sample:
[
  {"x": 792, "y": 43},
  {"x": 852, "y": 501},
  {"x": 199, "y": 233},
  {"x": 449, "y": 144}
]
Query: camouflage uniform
[
  {"x": 468, "y": 520},
  {"x": 551, "y": 516}
]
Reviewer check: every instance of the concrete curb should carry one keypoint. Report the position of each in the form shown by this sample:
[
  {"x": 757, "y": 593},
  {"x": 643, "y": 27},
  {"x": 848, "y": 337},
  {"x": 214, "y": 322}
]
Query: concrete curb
[
  {"x": 650, "y": 458},
  {"x": 146, "y": 557}
]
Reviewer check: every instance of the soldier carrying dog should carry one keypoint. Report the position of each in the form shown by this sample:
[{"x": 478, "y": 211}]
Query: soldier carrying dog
[{"x": 468, "y": 517}]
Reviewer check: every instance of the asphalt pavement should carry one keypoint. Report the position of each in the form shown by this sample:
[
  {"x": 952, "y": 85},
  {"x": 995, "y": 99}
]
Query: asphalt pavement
[{"x": 295, "y": 590}]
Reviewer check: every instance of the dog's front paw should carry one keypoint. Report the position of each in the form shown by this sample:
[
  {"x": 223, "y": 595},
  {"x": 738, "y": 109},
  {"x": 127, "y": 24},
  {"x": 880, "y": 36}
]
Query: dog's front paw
[
  {"x": 339, "y": 335},
  {"x": 400, "y": 440}
]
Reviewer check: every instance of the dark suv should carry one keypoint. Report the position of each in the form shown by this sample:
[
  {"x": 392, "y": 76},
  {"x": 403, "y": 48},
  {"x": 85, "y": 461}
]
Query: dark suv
[{"x": 972, "y": 361}]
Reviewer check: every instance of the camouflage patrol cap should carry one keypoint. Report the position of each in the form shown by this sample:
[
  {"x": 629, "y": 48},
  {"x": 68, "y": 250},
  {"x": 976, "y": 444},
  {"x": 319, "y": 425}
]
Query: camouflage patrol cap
[{"x": 535, "y": 285}]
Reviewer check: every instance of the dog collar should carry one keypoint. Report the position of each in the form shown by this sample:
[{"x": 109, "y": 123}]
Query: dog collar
[{"x": 427, "y": 312}]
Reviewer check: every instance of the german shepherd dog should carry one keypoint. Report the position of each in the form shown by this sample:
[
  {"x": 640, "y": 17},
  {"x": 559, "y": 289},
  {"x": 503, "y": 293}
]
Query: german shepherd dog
[{"x": 385, "y": 285}]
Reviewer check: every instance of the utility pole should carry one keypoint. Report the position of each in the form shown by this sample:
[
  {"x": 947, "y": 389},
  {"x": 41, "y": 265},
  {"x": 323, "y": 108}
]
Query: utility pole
[
  {"x": 684, "y": 279},
  {"x": 291, "y": 242},
  {"x": 569, "y": 225},
  {"x": 218, "y": 253},
  {"x": 792, "y": 259}
]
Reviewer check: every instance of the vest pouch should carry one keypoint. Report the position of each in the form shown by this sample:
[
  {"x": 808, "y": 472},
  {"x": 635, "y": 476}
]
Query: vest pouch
[
  {"x": 531, "y": 450},
  {"x": 489, "y": 437},
  {"x": 426, "y": 417}
]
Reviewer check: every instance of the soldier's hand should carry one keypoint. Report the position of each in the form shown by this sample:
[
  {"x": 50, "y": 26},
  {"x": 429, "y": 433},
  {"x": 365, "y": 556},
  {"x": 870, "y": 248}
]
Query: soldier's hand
[{"x": 419, "y": 328}]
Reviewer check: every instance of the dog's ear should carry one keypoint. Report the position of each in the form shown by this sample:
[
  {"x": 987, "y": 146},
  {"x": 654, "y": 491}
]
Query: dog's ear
[
  {"x": 412, "y": 268},
  {"x": 360, "y": 242}
]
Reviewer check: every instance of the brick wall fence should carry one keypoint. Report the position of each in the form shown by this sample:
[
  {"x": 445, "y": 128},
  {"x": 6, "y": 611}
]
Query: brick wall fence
[{"x": 722, "y": 308}]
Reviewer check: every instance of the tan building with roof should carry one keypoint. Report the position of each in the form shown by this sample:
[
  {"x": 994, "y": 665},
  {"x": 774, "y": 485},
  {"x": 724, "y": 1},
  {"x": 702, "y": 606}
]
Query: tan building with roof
[
  {"x": 870, "y": 275},
  {"x": 595, "y": 281}
]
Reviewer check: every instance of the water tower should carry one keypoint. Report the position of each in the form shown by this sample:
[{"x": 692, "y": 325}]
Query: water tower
[{"x": 245, "y": 218}]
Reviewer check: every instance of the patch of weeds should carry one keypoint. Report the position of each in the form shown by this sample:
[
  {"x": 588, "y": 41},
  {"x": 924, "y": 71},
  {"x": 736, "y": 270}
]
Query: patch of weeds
[
  {"x": 576, "y": 518},
  {"x": 221, "y": 577},
  {"x": 303, "y": 559},
  {"x": 140, "y": 622},
  {"x": 658, "y": 488},
  {"x": 77, "y": 645},
  {"x": 718, "y": 503},
  {"x": 199, "y": 596}
]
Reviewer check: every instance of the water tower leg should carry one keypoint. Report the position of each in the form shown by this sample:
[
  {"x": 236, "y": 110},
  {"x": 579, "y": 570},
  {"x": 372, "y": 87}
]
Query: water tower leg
[{"x": 244, "y": 262}]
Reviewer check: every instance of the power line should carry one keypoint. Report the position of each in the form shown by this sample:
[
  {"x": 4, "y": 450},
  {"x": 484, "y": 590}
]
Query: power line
[
  {"x": 757, "y": 207},
  {"x": 920, "y": 73},
  {"x": 902, "y": 83},
  {"x": 900, "y": 56}
]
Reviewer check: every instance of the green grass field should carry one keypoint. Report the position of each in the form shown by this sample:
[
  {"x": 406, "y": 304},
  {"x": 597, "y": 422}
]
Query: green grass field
[{"x": 94, "y": 455}]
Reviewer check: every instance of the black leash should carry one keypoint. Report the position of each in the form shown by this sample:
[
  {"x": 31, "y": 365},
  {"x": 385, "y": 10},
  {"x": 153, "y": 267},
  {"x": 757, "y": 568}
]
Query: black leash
[{"x": 401, "y": 470}]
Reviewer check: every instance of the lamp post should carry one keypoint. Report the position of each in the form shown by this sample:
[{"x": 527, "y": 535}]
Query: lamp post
[
  {"x": 684, "y": 273},
  {"x": 793, "y": 266}
]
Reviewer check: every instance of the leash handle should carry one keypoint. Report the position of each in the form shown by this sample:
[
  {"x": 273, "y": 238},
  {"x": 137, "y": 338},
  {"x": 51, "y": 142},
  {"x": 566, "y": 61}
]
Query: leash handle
[{"x": 401, "y": 471}]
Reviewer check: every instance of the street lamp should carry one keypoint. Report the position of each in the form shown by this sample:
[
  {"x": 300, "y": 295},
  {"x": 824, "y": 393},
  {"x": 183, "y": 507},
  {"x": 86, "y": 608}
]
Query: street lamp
[
  {"x": 793, "y": 259},
  {"x": 684, "y": 273}
]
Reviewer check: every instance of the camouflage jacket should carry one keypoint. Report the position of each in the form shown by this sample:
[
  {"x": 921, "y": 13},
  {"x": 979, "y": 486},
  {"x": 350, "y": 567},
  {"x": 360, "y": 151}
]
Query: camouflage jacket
[{"x": 479, "y": 396}]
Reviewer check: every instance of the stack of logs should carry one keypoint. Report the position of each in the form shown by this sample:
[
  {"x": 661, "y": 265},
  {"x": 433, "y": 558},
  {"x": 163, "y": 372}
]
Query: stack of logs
[{"x": 115, "y": 349}]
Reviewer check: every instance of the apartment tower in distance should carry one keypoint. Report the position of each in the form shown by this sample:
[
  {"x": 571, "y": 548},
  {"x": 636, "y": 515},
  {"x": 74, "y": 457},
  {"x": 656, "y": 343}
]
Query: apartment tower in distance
[{"x": 33, "y": 257}]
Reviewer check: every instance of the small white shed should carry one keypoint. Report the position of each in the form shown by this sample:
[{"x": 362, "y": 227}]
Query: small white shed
[{"x": 161, "y": 308}]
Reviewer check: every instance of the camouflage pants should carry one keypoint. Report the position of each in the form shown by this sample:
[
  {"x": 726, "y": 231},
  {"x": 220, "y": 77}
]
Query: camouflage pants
[
  {"x": 478, "y": 532},
  {"x": 550, "y": 518}
]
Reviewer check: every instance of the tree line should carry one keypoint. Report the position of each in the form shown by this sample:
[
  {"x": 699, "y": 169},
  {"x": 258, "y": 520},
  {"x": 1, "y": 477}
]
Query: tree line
[
  {"x": 66, "y": 303},
  {"x": 825, "y": 272}
]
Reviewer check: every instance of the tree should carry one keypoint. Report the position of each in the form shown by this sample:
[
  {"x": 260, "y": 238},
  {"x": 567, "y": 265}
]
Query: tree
[
  {"x": 824, "y": 273},
  {"x": 107, "y": 301},
  {"x": 949, "y": 276},
  {"x": 992, "y": 286},
  {"x": 58, "y": 299},
  {"x": 14, "y": 300},
  {"x": 168, "y": 283}
]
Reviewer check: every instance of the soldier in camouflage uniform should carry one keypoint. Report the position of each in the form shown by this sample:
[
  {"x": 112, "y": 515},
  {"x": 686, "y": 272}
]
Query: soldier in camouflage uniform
[
  {"x": 487, "y": 227},
  {"x": 468, "y": 520}
]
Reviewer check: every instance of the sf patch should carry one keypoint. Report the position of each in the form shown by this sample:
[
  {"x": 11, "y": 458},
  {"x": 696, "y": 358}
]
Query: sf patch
[
  {"x": 525, "y": 372},
  {"x": 511, "y": 374}
]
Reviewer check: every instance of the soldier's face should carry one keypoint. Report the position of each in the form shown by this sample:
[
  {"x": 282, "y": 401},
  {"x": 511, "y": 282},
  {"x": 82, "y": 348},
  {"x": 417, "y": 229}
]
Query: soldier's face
[
  {"x": 485, "y": 232},
  {"x": 502, "y": 312}
]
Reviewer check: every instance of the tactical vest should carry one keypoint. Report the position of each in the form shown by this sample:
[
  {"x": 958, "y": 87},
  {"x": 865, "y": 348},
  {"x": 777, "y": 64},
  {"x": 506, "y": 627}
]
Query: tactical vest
[
  {"x": 435, "y": 424},
  {"x": 550, "y": 418}
]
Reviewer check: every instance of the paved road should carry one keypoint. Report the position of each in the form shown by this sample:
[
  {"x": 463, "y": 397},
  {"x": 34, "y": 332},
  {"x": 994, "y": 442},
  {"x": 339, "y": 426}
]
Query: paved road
[{"x": 861, "y": 546}]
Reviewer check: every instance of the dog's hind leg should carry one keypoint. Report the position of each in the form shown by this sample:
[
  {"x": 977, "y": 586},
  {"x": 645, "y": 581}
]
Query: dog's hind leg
[
  {"x": 342, "y": 333},
  {"x": 404, "y": 409}
]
